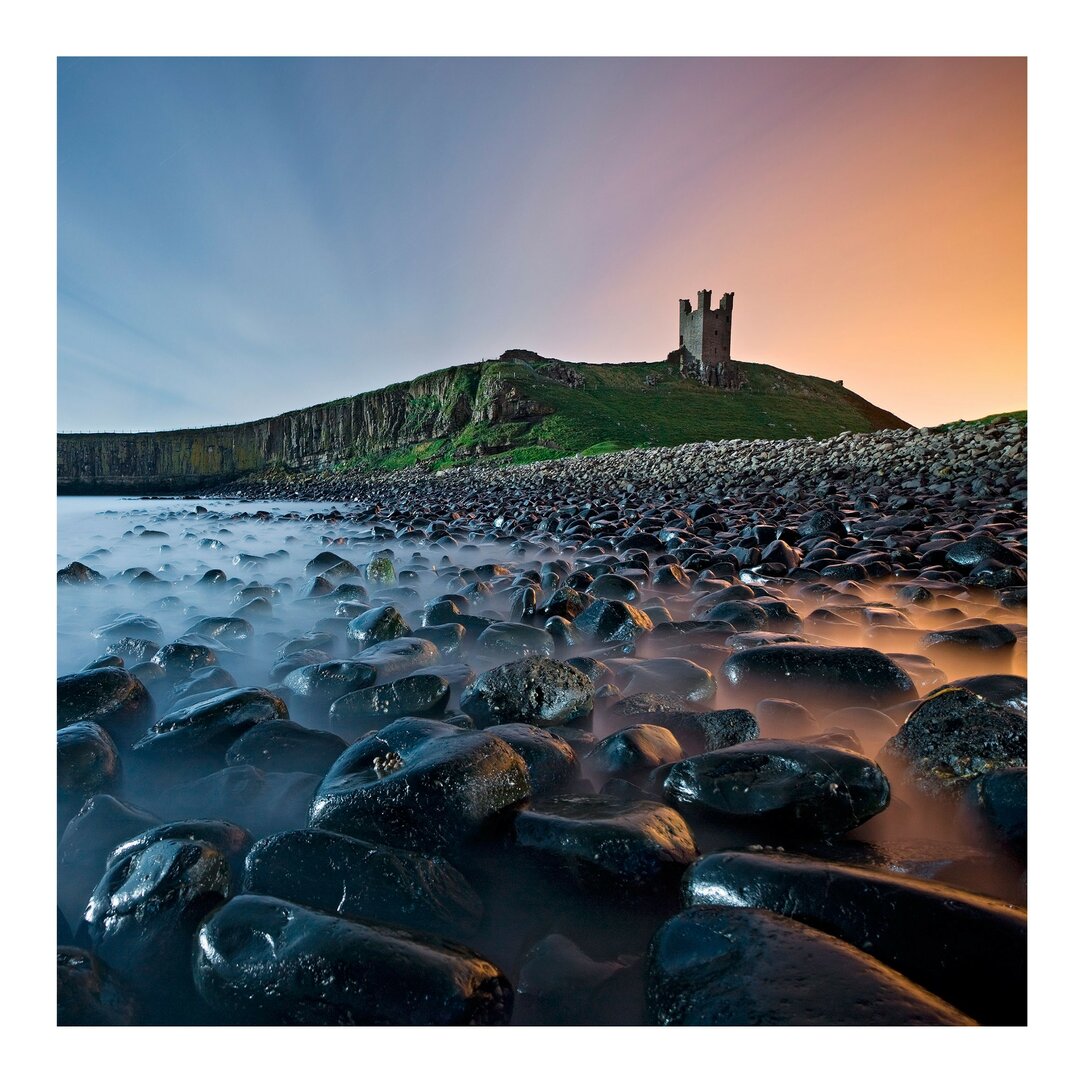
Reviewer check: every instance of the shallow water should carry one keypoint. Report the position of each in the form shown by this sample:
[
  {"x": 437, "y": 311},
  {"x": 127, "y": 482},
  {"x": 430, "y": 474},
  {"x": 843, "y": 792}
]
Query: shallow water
[{"x": 177, "y": 545}]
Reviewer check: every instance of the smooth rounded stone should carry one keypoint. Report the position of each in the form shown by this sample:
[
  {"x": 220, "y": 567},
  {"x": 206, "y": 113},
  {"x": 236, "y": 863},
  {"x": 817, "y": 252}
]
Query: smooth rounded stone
[
  {"x": 821, "y": 523},
  {"x": 260, "y": 802},
  {"x": 741, "y": 615},
  {"x": 671, "y": 578},
  {"x": 733, "y": 967},
  {"x": 196, "y": 737},
  {"x": 230, "y": 631},
  {"x": 781, "y": 786},
  {"x": 646, "y": 704},
  {"x": 873, "y": 727},
  {"x": 87, "y": 763},
  {"x": 104, "y": 661},
  {"x": 420, "y": 784},
  {"x": 988, "y": 638},
  {"x": 263, "y": 960},
  {"x": 402, "y": 656},
  {"x": 352, "y": 878},
  {"x": 502, "y": 641},
  {"x": 203, "y": 681},
  {"x": 314, "y": 588},
  {"x": 756, "y": 638},
  {"x": 954, "y": 736},
  {"x": 315, "y": 687},
  {"x": 840, "y": 674},
  {"x": 377, "y": 625},
  {"x": 142, "y": 917},
  {"x": 133, "y": 650},
  {"x": 714, "y": 730},
  {"x": 970, "y": 950},
  {"x": 130, "y": 626},
  {"x": 595, "y": 670},
  {"x": 782, "y": 719},
  {"x": 86, "y": 843},
  {"x": 77, "y": 573},
  {"x": 181, "y": 658},
  {"x": 634, "y": 752},
  {"x": 415, "y": 695},
  {"x": 565, "y": 603},
  {"x": 293, "y": 661},
  {"x": 537, "y": 690},
  {"x": 997, "y": 802},
  {"x": 969, "y": 553},
  {"x": 285, "y": 746},
  {"x": 380, "y": 571},
  {"x": 612, "y": 621},
  {"x": 601, "y": 841},
  {"x": 672, "y": 676},
  {"x": 88, "y": 994},
  {"x": 232, "y": 840},
  {"x": 614, "y": 587},
  {"x": 448, "y": 638},
  {"x": 1009, "y": 691},
  {"x": 549, "y": 759},
  {"x": 111, "y": 697},
  {"x": 330, "y": 564}
]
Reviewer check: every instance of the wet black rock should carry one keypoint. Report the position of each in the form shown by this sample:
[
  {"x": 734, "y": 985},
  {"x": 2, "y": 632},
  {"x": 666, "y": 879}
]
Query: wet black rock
[
  {"x": 181, "y": 658},
  {"x": 845, "y": 676},
  {"x": 379, "y": 624},
  {"x": 538, "y": 690},
  {"x": 194, "y": 738},
  {"x": 602, "y": 842},
  {"x": 142, "y": 917},
  {"x": 714, "y": 730},
  {"x": 731, "y": 967},
  {"x": 673, "y": 676},
  {"x": 420, "y": 784},
  {"x": 260, "y": 802},
  {"x": 286, "y": 746},
  {"x": 988, "y": 637},
  {"x": 447, "y": 638},
  {"x": 260, "y": 959},
  {"x": 88, "y": 994},
  {"x": 781, "y": 786},
  {"x": 85, "y": 846},
  {"x": 742, "y": 615},
  {"x": 77, "y": 573},
  {"x": 87, "y": 764},
  {"x": 229, "y": 631},
  {"x": 130, "y": 626},
  {"x": 201, "y": 682},
  {"x": 550, "y": 760},
  {"x": 954, "y": 736},
  {"x": 997, "y": 802},
  {"x": 514, "y": 641},
  {"x": 352, "y": 878},
  {"x": 111, "y": 697},
  {"x": 612, "y": 621},
  {"x": 133, "y": 650},
  {"x": 415, "y": 695},
  {"x": 969, "y": 553},
  {"x": 782, "y": 719},
  {"x": 230, "y": 839},
  {"x": 315, "y": 687},
  {"x": 970, "y": 950},
  {"x": 634, "y": 752}
]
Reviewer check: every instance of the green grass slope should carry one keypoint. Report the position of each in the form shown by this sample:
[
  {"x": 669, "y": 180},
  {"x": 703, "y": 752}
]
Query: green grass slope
[{"x": 620, "y": 406}]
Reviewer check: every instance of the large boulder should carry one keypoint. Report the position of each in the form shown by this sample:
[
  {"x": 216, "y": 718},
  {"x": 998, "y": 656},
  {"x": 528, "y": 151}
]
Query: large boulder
[
  {"x": 970, "y": 950},
  {"x": 349, "y": 877},
  {"x": 538, "y": 690},
  {"x": 420, "y": 784},
  {"x": 838, "y": 674},
  {"x": 781, "y": 786},
  {"x": 721, "y": 966},
  {"x": 111, "y": 697},
  {"x": 263, "y": 960}
]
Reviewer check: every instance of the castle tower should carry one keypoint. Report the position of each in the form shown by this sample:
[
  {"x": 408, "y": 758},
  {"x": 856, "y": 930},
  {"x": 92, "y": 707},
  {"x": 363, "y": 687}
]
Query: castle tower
[{"x": 705, "y": 342}]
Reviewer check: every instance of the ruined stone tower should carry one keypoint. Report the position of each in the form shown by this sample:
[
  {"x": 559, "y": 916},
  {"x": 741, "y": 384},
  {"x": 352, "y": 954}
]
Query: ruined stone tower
[{"x": 704, "y": 351}]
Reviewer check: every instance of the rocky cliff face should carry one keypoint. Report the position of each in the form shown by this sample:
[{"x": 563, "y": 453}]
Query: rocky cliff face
[{"x": 433, "y": 406}]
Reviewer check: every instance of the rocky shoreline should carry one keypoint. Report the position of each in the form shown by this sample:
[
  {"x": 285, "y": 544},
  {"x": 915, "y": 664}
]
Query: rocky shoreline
[
  {"x": 955, "y": 463},
  {"x": 727, "y": 733}
]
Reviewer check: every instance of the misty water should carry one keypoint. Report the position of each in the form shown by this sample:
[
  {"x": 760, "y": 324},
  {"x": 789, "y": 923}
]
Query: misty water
[{"x": 155, "y": 556}]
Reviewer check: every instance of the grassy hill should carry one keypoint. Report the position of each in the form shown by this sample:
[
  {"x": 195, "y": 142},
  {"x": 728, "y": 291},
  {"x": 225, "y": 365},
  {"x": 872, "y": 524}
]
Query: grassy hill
[{"x": 619, "y": 406}]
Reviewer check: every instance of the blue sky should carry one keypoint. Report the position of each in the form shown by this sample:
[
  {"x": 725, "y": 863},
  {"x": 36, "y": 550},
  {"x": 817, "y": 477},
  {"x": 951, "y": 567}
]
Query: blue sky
[{"x": 238, "y": 237}]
